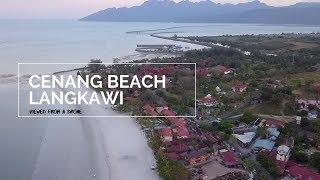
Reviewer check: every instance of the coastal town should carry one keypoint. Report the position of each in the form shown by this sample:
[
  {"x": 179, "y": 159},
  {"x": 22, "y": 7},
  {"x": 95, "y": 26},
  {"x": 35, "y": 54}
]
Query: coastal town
[{"x": 256, "y": 114}]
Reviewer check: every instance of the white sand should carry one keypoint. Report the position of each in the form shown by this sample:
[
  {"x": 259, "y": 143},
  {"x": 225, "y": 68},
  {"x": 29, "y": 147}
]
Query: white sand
[{"x": 95, "y": 148}]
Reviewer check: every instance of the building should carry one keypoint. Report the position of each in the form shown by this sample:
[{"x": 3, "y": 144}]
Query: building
[
  {"x": 182, "y": 133},
  {"x": 273, "y": 133},
  {"x": 149, "y": 110},
  {"x": 166, "y": 135},
  {"x": 208, "y": 101},
  {"x": 239, "y": 88},
  {"x": 273, "y": 123},
  {"x": 298, "y": 120},
  {"x": 173, "y": 156},
  {"x": 263, "y": 144},
  {"x": 299, "y": 172},
  {"x": 313, "y": 114},
  {"x": 245, "y": 139},
  {"x": 283, "y": 153},
  {"x": 203, "y": 72},
  {"x": 229, "y": 159},
  {"x": 160, "y": 109},
  {"x": 196, "y": 157}
]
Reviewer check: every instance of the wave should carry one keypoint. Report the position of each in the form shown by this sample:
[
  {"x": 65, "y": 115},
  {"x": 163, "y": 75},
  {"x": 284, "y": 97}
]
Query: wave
[{"x": 13, "y": 78}]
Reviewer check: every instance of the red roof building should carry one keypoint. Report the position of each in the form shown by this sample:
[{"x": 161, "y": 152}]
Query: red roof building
[
  {"x": 167, "y": 112},
  {"x": 208, "y": 101},
  {"x": 149, "y": 110},
  {"x": 239, "y": 88},
  {"x": 173, "y": 156},
  {"x": 178, "y": 122},
  {"x": 300, "y": 172},
  {"x": 182, "y": 133},
  {"x": 280, "y": 164},
  {"x": 229, "y": 159},
  {"x": 203, "y": 72},
  {"x": 274, "y": 123},
  {"x": 166, "y": 135},
  {"x": 196, "y": 157},
  {"x": 160, "y": 109}
]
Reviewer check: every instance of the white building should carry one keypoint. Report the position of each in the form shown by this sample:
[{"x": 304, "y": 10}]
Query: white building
[
  {"x": 283, "y": 153},
  {"x": 298, "y": 119}
]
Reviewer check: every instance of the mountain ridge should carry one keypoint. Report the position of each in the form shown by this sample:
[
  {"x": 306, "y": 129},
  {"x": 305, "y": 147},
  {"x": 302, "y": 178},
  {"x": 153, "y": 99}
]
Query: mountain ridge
[{"x": 211, "y": 12}]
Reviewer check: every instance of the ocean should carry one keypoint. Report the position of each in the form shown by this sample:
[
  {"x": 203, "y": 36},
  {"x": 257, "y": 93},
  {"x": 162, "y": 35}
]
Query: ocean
[
  {"x": 25, "y": 41},
  {"x": 71, "y": 41}
]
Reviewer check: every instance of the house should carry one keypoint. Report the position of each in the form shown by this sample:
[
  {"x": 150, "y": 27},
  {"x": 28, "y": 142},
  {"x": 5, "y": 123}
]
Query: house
[
  {"x": 208, "y": 101},
  {"x": 298, "y": 120},
  {"x": 166, "y": 135},
  {"x": 178, "y": 122},
  {"x": 218, "y": 89},
  {"x": 195, "y": 157},
  {"x": 173, "y": 156},
  {"x": 160, "y": 109},
  {"x": 299, "y": 172},
  {"x": 168, "y": 113},
  {"x": 303, "y": 104},
  {"x": 245, "y": 139},
  {"x": 203, "y": 72},
  {"x": 182, "y": 133},
  {"x": 283, "y": 153},
  {"x": 149, "y": 110},
  {"x": 242, "y": 128},
  {"x": 263, "y": 144},
  {"x": 273, "y": 123},
  {"x": 273, "y": 133},
  {"x": 280, "y": 164},
  {"x": 313, "y": 114},
  {"x": 229, "y": 159},
  {"x": 239, "y": 88}
]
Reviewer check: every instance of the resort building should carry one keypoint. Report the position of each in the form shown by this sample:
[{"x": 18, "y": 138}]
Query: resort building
[{"x": 166, "y": 135}]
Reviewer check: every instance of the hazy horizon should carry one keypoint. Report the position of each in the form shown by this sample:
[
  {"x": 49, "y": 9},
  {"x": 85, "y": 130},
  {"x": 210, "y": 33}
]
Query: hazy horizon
[{"x": 74, "y": 9}]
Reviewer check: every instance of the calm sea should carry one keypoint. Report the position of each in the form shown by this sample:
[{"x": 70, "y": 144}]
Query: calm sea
[{"x": 73, "y": 41}]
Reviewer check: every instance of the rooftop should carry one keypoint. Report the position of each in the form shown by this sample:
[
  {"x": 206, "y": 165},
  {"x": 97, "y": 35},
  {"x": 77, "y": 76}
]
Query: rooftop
[
  {"x": 263, "y": 144},
  {"x": 229, "y": 158},
  {"x": 245, "y": 137}
]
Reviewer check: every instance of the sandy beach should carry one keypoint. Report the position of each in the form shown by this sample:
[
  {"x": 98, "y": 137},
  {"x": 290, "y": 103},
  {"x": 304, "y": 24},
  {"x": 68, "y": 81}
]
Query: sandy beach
[{"x": 95, "y": 148}]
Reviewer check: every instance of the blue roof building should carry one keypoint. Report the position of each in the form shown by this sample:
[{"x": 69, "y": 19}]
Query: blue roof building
[
  {"x": 273, "y": 133},
  {"x": 263, "y": 144}
]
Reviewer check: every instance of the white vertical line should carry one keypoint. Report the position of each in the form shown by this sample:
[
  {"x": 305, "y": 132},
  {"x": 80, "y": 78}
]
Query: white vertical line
[
  {"x": 18, "y": 90},
  {"x": 195, "y": 89}
]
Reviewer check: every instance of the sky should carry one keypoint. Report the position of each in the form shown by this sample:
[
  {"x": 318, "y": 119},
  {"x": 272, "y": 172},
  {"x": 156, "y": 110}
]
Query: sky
[{"x": 74, "y": 9}]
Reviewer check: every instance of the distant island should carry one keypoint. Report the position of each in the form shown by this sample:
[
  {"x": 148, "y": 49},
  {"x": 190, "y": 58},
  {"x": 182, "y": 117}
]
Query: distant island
[{"x": 210, "y": 12}]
